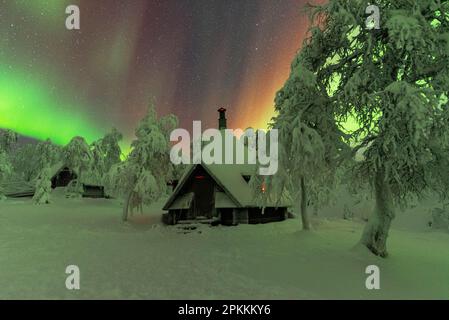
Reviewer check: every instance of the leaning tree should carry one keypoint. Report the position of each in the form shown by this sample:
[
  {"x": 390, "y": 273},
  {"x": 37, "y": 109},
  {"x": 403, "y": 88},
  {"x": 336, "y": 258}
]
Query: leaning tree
[{"x": 391, "y": 83}]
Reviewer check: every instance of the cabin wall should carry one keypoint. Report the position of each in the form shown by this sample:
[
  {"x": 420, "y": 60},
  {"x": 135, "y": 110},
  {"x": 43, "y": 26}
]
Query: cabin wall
[
  {"x": 93, "y": 192},
  {"x": 251, "y": 215},
  {"x": 242, "y": 216},
  {"x": 257, "y": 215},
  {"x": 226, "y": 216}
]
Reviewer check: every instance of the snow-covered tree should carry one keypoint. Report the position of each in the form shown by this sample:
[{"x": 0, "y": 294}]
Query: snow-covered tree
[
  {"x": 311, "y": 146},
  {"x": 43, "y": 188},
  {"x": 143, "y": 177},
  {"x": 78, "y": 156},
  {"x": 8, "y": 139},
  {"x": 106, "y": 152},
  {"x": 5, "y": 170},
  {"x": 98, "y": 167},
  {"x": 24, "y": 162},
  {"x": 392, "y": 84},
  {"x": 111, "y": 149},
  {"x": 30, "y": 159},
  {"x": 48, "y": 154}
]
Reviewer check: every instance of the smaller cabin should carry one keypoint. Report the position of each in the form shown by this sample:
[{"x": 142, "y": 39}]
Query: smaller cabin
[
  {"x": 62, "y": 176},
  {"x": 93, "y": 191}
]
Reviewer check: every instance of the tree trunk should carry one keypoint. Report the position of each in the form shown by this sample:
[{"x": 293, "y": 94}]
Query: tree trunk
[
  {"x": 126, "y": 207},
  {"x": 304, "y": 214},
  {"x": 79, "y": 185},
  {"x": 376, "y": 231}
]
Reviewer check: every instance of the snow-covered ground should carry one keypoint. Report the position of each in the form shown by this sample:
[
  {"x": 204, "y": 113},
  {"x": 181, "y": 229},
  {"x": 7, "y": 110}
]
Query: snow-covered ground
[{"x": 143, "y": 259}]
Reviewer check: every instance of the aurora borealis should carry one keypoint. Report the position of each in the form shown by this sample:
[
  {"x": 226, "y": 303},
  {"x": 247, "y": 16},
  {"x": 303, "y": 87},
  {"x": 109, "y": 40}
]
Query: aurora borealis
[{"x": 190, "y": 55}]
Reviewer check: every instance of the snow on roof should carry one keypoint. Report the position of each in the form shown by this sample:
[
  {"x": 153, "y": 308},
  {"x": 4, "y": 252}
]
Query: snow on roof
[
  {"x": 182, "y": 202},
  {"x": 230, "y": 177},
  {"x": 87, "y": 178},
  {"x": 58, "y": 167},
  {"x": 222, "y": 201},
  {"x": 17, "y": 187}
]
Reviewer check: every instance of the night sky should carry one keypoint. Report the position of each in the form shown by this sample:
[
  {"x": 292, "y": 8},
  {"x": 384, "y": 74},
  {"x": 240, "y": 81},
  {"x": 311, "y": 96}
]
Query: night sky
[{"x": 190, "y": 55}]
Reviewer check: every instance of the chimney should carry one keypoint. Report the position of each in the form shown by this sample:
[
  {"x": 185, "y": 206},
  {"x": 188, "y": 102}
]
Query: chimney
[{"x": 222, "y": 123}]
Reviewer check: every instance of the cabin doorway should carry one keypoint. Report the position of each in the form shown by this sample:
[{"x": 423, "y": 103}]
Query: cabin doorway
[
  {"x": 204, "y": 195},
  {"x": 63, "y": 178}
]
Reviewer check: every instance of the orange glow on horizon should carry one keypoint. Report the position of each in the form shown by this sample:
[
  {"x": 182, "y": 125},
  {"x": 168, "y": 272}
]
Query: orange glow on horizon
[{"x": 255, "y": 101}]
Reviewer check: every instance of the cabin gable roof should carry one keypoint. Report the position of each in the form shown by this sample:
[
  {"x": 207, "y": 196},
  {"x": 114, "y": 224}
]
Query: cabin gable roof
[{"x": 228, "y": 177}]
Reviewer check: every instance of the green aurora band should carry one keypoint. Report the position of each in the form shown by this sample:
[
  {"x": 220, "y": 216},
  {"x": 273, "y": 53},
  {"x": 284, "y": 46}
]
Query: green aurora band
[{"x": 29, "y": 107}]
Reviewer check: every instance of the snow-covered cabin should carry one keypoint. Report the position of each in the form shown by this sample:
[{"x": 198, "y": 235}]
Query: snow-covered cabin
[
  {"x": 221, "y": 193},
  {"x": 63, "y": 176}
]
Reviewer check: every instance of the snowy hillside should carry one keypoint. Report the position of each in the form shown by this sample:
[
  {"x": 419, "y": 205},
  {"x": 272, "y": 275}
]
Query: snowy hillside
[{"x": 145, "y": 260}]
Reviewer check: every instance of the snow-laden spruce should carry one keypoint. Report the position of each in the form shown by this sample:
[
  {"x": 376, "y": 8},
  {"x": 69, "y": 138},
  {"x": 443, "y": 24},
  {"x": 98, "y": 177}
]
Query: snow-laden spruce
[
  {"x": 78, "y": 156},
  {"x": 390, "y": 86},
  {"x": 30, "y": 159},
  {"x": 5, "y": 171},
  {"x": 8, "y": 139},
  {"x": 142, "y": 177},
  {"x": 106, "y": 152}
]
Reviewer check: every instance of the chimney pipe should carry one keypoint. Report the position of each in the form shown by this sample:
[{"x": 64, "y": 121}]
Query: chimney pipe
[{"x": 222, "y": 121}]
